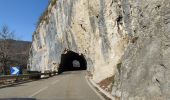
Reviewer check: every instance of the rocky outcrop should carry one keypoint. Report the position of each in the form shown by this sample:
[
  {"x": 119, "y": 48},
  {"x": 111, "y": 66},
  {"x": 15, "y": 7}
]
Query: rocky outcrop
[
  {"x": 126, "y": 39},
  {"x": 143, "y": 73}
]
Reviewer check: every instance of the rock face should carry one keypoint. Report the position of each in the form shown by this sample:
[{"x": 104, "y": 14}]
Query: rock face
[
  {"x": 126, "y": 38},
  {"x": 143, "y": 73},
  {"x": 91, "y": 27}
]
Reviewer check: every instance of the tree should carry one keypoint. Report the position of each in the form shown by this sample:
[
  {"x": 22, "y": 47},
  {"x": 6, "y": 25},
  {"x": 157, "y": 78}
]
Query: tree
[{"x": 5, "y": 35}]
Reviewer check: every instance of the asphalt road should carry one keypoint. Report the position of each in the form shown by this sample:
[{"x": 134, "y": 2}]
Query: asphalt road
[{"x": 67, "y": 86}]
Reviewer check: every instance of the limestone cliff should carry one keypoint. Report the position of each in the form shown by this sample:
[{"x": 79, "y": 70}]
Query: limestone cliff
[
  {"x": 127, "y": 39},
  {"x": 143, "y": 73}
]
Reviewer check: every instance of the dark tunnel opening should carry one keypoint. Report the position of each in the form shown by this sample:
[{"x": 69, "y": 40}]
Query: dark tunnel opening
[{"x": 72, "y": 61}]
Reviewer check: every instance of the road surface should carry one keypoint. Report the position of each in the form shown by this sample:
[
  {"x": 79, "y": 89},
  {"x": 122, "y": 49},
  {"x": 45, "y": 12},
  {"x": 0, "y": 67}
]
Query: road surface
[{"x": 67, "y": 86}]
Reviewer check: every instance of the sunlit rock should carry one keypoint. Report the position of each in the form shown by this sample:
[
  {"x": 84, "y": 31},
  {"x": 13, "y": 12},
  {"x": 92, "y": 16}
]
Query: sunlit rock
[{"x": 127, "y": 39}]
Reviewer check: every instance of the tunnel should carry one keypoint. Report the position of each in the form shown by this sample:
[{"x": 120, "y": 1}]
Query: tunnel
[{"x": 72, "y": 61}]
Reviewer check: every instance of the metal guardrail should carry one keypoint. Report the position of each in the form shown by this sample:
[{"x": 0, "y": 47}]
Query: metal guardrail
[
  {"x": 7, "y": 80},
  {"x": 5, "y": 77}
]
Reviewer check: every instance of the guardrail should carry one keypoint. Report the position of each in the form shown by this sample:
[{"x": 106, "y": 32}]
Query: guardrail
[{"x": 13, "y": 78}]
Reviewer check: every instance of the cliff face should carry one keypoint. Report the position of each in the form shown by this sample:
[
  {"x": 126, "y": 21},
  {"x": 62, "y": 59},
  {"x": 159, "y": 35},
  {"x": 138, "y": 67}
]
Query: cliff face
[
  {"x": 126, "y": 39},
  {"x": 144, "y": 68},
  {"x": 91, "y": 27}
]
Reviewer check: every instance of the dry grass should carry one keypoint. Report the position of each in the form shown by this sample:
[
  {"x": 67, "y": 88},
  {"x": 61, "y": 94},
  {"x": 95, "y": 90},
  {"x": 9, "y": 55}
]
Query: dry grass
[
  {"x": 44, "y": 17},
  {"x": 53, "y": 2},
  {"x": 107, "y": 84}
]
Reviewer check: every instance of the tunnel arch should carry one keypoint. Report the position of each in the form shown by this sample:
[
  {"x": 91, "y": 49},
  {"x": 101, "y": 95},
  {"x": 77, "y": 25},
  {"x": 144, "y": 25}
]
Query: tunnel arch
[{"x": 67, "y": 60}]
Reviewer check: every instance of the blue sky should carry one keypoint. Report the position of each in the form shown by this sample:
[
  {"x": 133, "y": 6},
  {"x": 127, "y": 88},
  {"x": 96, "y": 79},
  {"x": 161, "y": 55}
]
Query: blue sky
[{"x": 21, "y": 16}]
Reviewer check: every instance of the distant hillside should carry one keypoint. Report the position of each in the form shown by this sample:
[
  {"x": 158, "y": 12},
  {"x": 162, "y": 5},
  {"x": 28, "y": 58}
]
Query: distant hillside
[{"x": 18, "y": 52}]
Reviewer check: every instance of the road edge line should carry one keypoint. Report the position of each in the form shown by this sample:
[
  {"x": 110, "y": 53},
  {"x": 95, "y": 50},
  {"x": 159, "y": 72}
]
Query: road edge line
[
  {"x": 92, "y": 87},
  {"x": 42, "y": 89}
]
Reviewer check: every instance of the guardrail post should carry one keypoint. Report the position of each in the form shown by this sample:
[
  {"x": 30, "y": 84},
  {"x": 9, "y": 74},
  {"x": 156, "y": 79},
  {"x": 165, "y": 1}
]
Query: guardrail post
[
  {"x": 54, "y": 73},
  {"x": 17, "y": 79},
  {"x": 50, "y": 74}
]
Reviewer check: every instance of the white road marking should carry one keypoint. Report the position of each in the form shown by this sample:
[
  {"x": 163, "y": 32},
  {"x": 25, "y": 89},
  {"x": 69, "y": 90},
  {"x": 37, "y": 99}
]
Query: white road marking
[
  {"x": 101, "y": 97},
  {"x": 53, "y": 83},
  {"x": 38, "y": 92}
]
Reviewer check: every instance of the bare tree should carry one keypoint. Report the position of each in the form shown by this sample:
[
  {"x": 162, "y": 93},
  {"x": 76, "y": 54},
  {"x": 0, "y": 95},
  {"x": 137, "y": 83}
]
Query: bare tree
[{"x": 5, "y": 35}]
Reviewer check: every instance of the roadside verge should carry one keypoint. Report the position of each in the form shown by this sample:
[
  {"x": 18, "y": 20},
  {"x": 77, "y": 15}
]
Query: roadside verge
[{"x": 104, "y": 95}]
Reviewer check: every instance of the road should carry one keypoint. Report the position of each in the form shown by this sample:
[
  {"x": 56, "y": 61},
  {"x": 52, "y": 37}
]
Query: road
[{"x": 67, "y": 86}]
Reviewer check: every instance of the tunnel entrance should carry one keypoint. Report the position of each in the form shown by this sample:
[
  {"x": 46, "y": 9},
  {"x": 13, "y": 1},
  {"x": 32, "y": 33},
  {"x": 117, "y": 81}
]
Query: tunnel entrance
[{"x": 71, "y": 61}]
